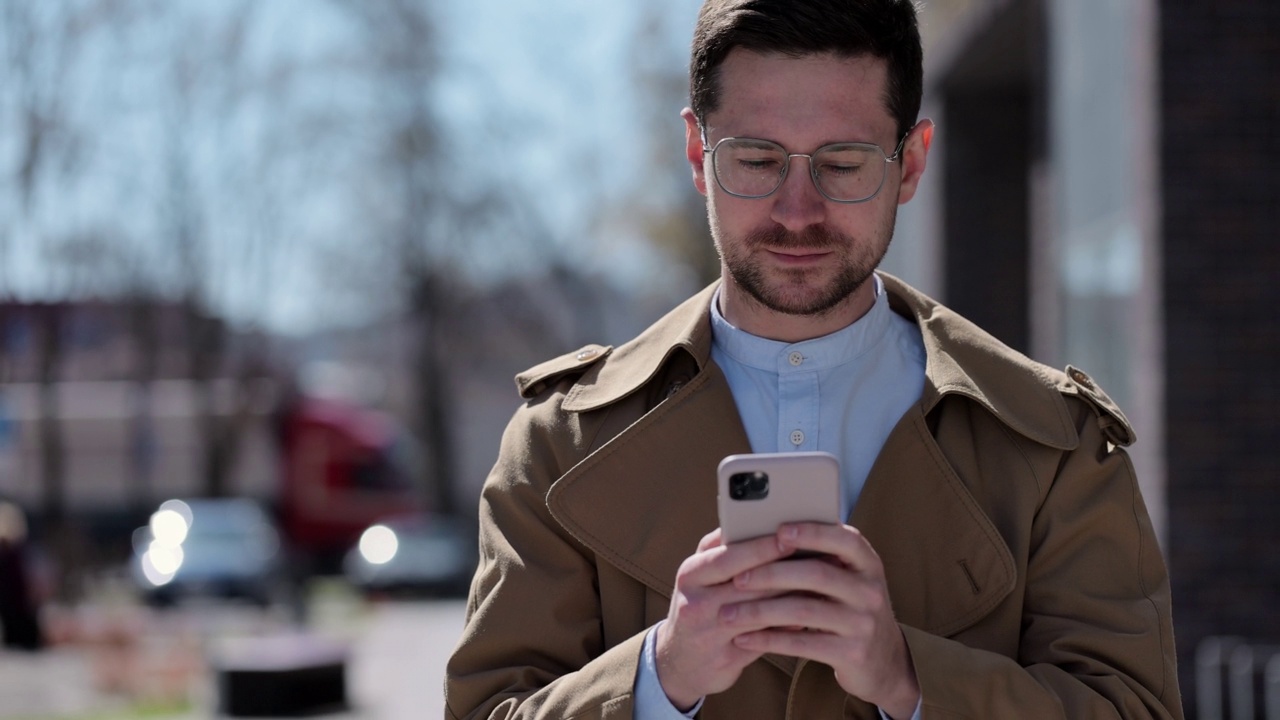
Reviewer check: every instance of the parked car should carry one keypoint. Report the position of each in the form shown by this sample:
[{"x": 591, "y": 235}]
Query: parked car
[
  {"x": 226, "y": 547},
  {"x": 418, "y": 554}
]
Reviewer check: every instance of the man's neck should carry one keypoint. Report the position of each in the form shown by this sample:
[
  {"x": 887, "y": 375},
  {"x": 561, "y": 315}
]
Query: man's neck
[{"x": 747, "y": 314}]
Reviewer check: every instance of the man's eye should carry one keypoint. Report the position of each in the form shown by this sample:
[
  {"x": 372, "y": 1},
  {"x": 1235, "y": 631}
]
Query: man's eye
[
  {"x": 841, "y": 170},
  {"x": 758, "y": 164}
]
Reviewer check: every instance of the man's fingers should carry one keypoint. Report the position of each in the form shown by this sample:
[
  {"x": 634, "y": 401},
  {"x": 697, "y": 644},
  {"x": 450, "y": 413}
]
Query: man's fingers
[
  {"x": 710, "y": 540},
  {"x": 793, "y": 611},
  {"x": 818, "y": 577},
  {"x": 818, "y": 646},
  {"x": 841, "y": 542},
  {"x": 720, "y": 563}
]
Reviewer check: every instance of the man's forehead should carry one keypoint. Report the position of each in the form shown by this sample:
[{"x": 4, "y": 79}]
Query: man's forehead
[{"x": 806, "y": 94}]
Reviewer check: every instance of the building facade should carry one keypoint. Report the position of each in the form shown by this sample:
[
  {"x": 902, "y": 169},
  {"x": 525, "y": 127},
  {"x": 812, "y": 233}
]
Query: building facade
[{"x": 1103, "y": 192}]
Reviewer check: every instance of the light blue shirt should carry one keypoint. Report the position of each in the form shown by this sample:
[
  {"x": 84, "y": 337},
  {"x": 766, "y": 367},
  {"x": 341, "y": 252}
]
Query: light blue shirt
[{"x": 842, "y": 393}]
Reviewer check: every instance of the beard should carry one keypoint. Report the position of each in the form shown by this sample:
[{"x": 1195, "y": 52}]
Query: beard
[{"x": 800, "y": 291}]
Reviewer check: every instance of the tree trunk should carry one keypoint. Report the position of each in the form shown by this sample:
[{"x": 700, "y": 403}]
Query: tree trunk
[
  {"x": 436, "y": 409},
  {"x": 143, "y": 447},
  {"x": 63, "y": 543},
  {"x": 206, "y": 343},
  {"x": 51, "y": 441}
]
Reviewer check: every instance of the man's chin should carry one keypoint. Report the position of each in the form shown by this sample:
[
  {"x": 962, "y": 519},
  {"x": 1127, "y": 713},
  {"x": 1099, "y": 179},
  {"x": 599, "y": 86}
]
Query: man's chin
[
  {"x": 800, "y": 302},
  {"x": 811, "y": 292}
]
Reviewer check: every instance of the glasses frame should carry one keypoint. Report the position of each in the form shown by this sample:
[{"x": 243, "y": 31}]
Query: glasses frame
[{"x": 813, "y": 173}]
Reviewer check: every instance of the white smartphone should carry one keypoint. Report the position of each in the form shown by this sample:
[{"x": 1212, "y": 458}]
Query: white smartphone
[{"x": 760, "y": 491}]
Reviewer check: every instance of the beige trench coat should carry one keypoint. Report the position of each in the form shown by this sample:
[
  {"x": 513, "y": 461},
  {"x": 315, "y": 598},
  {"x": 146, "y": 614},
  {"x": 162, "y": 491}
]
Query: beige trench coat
[{"x": 1021, "y": 561}]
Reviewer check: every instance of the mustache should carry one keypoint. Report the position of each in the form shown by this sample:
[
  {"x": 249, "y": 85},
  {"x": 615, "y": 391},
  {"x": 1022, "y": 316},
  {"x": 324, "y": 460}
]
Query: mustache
[{"x": 815, "y": 237}]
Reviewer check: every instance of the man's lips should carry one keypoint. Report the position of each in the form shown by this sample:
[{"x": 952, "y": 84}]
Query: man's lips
[{"x": 797, "y": 256}]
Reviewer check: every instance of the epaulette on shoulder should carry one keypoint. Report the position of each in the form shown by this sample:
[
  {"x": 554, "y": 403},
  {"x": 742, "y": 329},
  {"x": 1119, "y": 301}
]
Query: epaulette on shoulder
[
  {"x": 534, "y": 380},
  {"x": 1115, "y": 426}
]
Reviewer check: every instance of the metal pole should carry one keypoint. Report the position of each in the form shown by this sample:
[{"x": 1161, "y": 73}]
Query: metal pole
[
  {"x": 1241, "y": 683},
  {"x": 1210, "y": 659},
  {"x": 1273, "y": 688}
]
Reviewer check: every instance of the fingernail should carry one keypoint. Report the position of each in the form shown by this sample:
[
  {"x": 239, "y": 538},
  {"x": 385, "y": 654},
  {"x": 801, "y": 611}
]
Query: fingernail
[
  {"x": 728, "y": 612},
  {"x": 742, "y": 579}
]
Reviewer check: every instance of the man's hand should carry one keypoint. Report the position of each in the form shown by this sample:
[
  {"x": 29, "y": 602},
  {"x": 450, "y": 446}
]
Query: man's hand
[
  {"x": 695, "y": 648},
  {"x": 833, "y": 610}
]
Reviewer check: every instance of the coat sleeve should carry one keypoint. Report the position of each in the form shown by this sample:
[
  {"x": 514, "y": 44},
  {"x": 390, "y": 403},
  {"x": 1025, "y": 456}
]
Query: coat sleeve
[
  {"x": 532, "y": 645},
  {"x": 1097, "y": 634}
]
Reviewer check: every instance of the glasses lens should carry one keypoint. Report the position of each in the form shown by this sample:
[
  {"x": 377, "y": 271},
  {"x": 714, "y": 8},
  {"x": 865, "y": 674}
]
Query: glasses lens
[
  {"x": 850, "y": 172},
  {"x": 750, "y": 168}
]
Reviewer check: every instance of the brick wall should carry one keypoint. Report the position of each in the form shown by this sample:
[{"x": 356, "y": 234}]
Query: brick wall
[{"x": 1220, "y": 63}]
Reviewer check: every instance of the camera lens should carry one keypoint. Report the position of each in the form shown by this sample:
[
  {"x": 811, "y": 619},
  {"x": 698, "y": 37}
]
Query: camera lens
[{"x": 749, "y": 486}]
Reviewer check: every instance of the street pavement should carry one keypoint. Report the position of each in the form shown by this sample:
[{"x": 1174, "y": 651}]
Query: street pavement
[{"x": 395, "y": 669}]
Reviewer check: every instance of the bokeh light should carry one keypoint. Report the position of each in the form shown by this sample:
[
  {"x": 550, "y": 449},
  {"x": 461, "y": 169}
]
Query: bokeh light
[
  {"x": 161, "y": 563},
  {"x": 378, "y": 545},
  {"x": 171, "y": 523}
]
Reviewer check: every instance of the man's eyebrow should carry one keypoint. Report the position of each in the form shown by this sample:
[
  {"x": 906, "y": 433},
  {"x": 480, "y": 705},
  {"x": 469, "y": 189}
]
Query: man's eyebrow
[{"x": 756, "y": 143}]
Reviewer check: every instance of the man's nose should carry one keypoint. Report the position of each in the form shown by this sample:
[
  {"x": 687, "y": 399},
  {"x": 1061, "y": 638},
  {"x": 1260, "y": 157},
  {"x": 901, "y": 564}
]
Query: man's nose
[{"x": 797, "y": 204}]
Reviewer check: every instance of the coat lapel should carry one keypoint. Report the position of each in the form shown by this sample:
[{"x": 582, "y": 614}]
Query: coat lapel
[
  {"x": 945, "y": 562},
  {"x": 645, "y": 498}
]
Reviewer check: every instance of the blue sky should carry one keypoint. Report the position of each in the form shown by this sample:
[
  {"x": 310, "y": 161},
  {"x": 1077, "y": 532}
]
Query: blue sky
[
  {"x": 561, "y": 69},
  {"x": 542, "y": 90}
]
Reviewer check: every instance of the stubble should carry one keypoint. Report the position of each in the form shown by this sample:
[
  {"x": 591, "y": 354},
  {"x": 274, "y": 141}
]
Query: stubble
[{"x": 798, "y": 291}]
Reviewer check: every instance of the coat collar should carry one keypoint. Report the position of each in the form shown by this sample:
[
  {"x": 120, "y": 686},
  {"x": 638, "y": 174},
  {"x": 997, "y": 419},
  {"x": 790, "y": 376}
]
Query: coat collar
[
  {"x": 961, "y": 359},
  {"x": 634, "y": 364},
  {"x": 644, "y": 499}
]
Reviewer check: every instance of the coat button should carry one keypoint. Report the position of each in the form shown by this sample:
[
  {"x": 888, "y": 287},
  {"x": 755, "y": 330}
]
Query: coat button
[
  {"x": 1081, "y": 379},
  {"x": 587, "y": 354}
]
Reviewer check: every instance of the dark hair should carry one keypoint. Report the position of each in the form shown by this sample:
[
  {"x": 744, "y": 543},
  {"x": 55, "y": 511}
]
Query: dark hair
[{"x": 885, "y": 29}]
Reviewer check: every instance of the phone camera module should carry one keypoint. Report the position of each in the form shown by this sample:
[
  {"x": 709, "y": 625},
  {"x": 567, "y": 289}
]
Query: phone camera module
[{"x": 749, "y": 486}]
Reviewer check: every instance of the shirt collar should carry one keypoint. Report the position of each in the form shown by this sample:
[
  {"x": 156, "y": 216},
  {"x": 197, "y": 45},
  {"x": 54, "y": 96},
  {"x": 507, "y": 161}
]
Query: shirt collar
[
  {"x": 822, "y": 353},
  {"x": 960, "y": 359}
]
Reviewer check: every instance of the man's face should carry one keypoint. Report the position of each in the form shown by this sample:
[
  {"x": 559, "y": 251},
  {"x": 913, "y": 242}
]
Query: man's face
[{"x": 795, "y": 252}]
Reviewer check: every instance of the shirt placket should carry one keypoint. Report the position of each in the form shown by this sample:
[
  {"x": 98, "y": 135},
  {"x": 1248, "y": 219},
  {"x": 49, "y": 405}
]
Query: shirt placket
[{"x": 797, "y": 402}]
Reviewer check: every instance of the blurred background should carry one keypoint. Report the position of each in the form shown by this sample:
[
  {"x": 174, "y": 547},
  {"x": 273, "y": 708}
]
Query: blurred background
[{"x": 267, "y": 268}]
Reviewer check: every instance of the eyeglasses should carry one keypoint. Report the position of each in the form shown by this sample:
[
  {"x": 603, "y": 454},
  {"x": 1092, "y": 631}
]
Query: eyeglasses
[{"x": 848, "y": 172}]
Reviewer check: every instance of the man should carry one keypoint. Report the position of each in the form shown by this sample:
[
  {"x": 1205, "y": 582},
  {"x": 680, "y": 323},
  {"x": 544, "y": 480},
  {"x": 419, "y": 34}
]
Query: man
[{"x": 997, "y": 562}]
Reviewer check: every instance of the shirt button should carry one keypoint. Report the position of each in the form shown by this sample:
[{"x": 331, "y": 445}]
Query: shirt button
[
  {"x": 795, "y": 358},
  {"x": 797, "y": 437}
]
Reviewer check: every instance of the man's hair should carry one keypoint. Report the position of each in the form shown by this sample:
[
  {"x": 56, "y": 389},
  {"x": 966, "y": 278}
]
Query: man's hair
[{"x": 884, "y": 29}]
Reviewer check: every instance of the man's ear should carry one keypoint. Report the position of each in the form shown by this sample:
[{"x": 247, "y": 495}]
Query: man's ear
[
  {"x": 693, "y": 149},
  {"x": 915, "y": 156}
]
